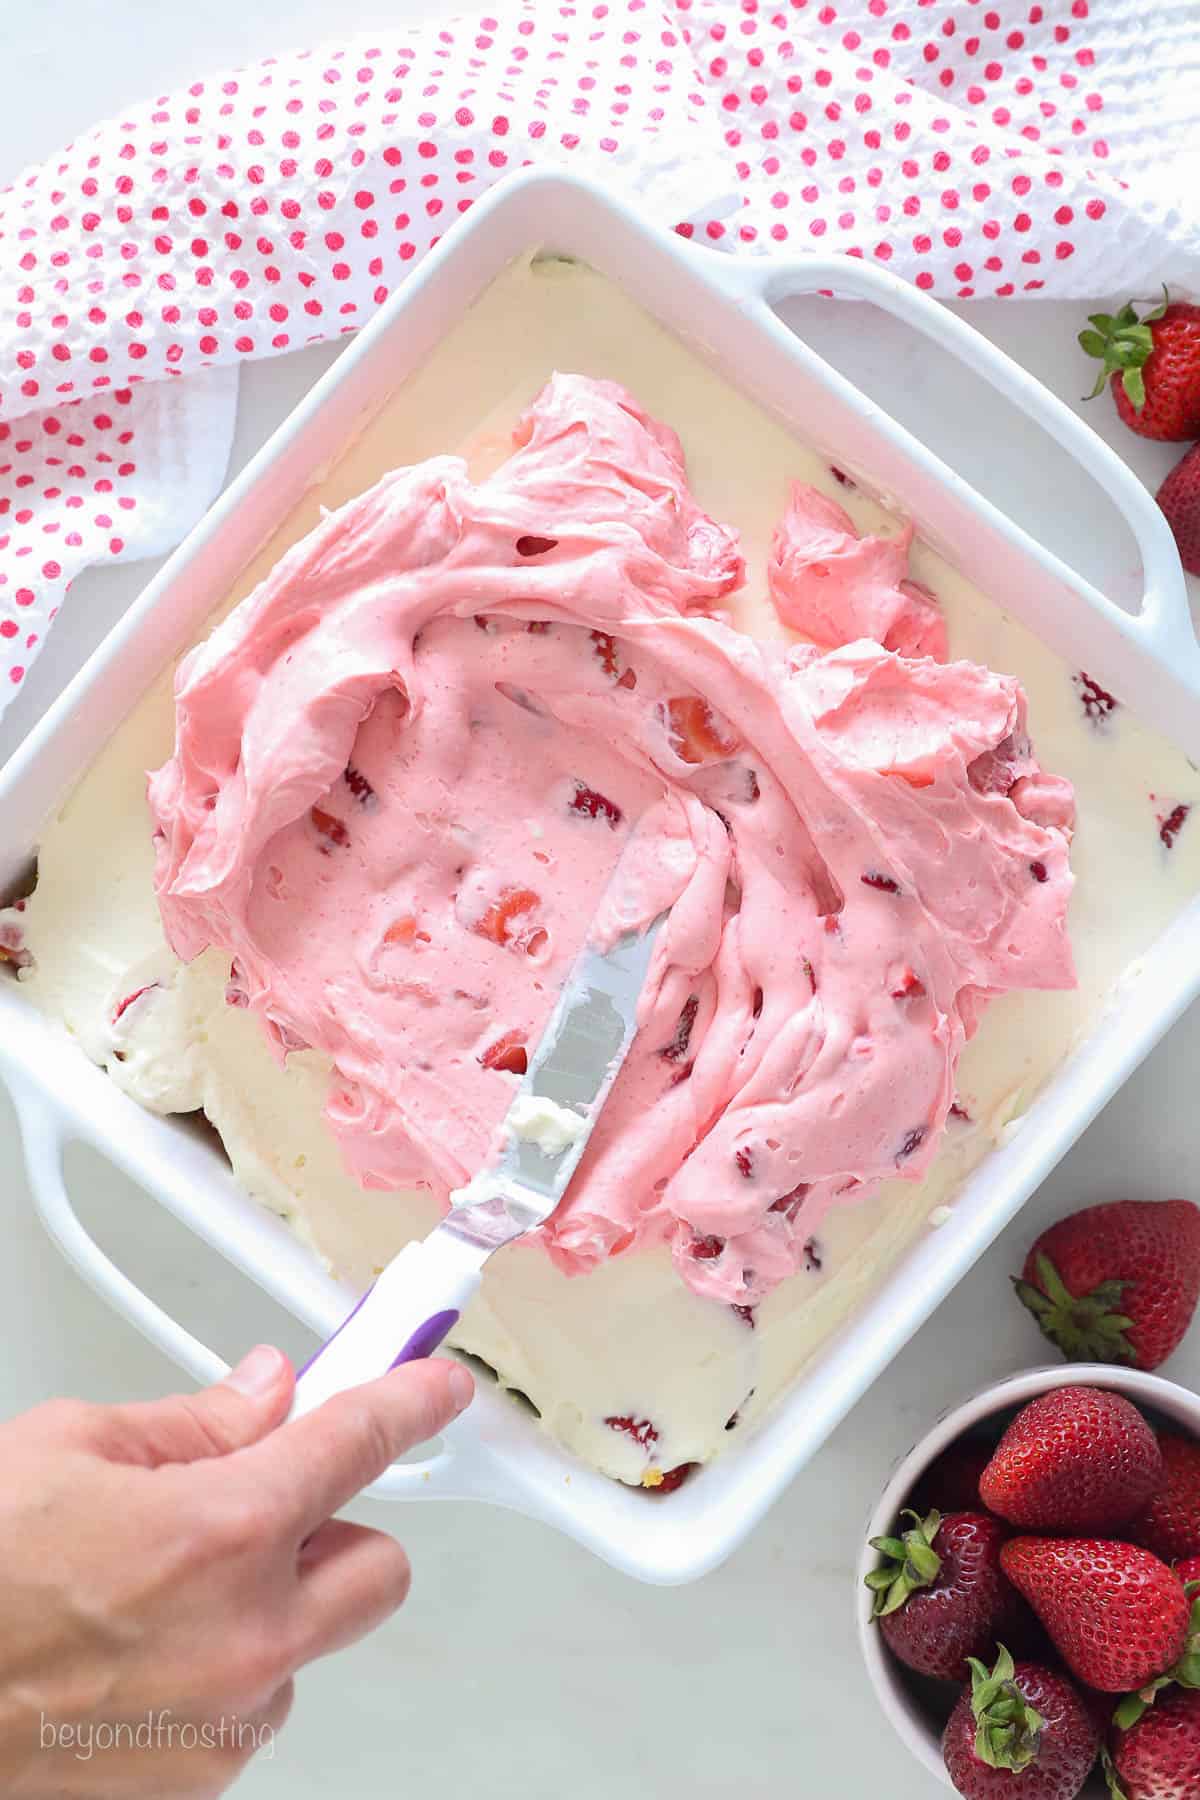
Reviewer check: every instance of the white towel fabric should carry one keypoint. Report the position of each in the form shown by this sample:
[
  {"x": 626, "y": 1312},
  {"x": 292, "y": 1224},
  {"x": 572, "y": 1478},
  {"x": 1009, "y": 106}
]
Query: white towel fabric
[{"x": 978, "y": 147}]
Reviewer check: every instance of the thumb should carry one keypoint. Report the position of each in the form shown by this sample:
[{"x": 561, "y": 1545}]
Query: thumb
[{"x": 251, "y": 1401}]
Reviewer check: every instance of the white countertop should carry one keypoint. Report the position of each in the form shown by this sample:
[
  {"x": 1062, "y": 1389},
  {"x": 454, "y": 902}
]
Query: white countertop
[{"x": 522, "y": 1667}]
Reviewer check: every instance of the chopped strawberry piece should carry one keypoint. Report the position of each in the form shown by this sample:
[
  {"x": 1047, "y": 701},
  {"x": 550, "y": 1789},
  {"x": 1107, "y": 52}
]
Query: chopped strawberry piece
[
  {"x": 538, "y": 627},
  {"x": 912, "y": 1142},
  {"x": 884, "y": 883},
  {"x": 1039, "y": 871},
  {"x": 753, "y": 791},
  {"x": 697, "y": 733},
  {"x": 592, "y": 805},
  {"x": 507, "y": 1053},
  {"x": 746, "y": 1313},
  {"x": 756, "y": 1009},
  {"x": 535, "y": 546},
  {"x": 1098, "y": 703},
  {"x": 745, "y": 1162},
  {"x": 995, "y": 771},
  {"x": 123, "y": 1006},
  {"x": 330, "y": 828},
  {"x": 606, "y": 650},
  {"x": 640, "y": 1430},
  {"x": 677, "y": 1049},
  {"x": 627, "y": 680},
  {"x": 406, "y": 930},
  {"x": 482, "y": 622},
  {"x": 790, "y": 1203},
  {"x": 500, "y": 921},
  {"x": 960, "y": 1113},
  {"x": 358, "y": 784},
  {"x": 674, "y": 1478},
  {"x": 1170, "y": 827},
  {"x": 705, "y": 1249},
  {"x": 840, "y": 477},
  {"x": 909, "y": 986}
]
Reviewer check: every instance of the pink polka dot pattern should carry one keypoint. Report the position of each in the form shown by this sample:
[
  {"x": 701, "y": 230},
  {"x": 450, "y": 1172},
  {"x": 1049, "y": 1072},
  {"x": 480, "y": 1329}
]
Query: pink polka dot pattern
[{"x": 976, "y": 147}]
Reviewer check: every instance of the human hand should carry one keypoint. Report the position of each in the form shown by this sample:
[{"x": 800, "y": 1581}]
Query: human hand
[{"x": 176, "y": 1562}]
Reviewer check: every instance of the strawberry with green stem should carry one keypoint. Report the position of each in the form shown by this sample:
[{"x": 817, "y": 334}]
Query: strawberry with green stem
[
  {"x": 1117, "y": 1282},
  {"x": 1019, "y": 1732},
  {"x": 1118, "y": 1617},
  {"x": 940, "y": 1595},
  {"x": 1152, "y": 364},
  {"x": 1158, "y": 1757}
]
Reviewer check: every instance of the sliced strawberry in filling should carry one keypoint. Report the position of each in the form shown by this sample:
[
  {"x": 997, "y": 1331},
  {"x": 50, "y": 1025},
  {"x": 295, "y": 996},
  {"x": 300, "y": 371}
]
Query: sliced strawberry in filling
[
  {"x": 506, "y": 921},
  {"x": 330, "y": 828},
  {"x": 507, "y": 1053},
  {"x": 677, "y": 1049},
  {"x": 697, "y": 733},
  {"x": 591, "y": 805},
  {"x": 123, "y": 1006},
  {"x": 406, "y": 930},
  {"x": 640, "y": 1430}
]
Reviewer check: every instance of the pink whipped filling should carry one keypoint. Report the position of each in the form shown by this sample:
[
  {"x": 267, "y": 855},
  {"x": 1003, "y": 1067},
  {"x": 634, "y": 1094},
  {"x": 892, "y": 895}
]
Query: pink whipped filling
[
  {"x": 835, "y": 586},
  {"x": 405, "y": 767}
]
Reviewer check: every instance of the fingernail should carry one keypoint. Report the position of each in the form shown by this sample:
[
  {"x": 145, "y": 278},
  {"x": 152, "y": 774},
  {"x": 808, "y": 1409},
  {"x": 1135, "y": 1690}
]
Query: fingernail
[
  {"x": 461, "y": 1386},
  {"x": 258, "y": 1373}
]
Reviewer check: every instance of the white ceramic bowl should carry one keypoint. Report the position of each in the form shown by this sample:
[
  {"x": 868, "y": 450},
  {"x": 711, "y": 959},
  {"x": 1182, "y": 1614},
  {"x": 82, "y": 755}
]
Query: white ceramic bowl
[{"x": 898, "y": 1694}]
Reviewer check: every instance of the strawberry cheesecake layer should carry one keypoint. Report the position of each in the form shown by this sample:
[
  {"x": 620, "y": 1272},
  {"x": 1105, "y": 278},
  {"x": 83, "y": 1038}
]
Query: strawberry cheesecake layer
[
  {"x": 405, "y": 767},
  {"x": 632, "y": 1368},
  {"x": 835, "y": 586}
]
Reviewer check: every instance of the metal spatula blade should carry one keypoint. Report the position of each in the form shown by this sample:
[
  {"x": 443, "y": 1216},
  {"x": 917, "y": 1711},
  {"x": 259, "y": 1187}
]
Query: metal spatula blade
[{"x": 421, "y": 1294}]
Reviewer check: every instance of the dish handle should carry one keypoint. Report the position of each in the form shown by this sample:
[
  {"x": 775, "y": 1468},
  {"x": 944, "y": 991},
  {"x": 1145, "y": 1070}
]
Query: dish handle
[
  {"x": 459, "y": 1469},
  {"x": 1165, "y": 620}
]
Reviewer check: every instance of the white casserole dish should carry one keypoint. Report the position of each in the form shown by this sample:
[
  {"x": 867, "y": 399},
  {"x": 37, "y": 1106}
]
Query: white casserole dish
[{"x": 723, "y": 309}]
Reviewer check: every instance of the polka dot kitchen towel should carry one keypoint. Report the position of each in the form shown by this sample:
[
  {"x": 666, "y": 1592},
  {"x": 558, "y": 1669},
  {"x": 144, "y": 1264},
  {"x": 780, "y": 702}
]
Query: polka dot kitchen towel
[{"x": 977, "y": 147}]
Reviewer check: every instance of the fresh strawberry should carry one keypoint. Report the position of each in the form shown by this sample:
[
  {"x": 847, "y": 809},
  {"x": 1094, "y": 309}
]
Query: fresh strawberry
[
  {"x": 1179, "y": 498},
  {"x": 1170, "y": 1525},
  {"x": 1188, "y": 1569},
  {"x": 952, "y": 1482},
  {"x": 1117, "y": 1616},
  {"x": 1158, "y": 1758},
  {"x": 1153, "y": 364},
  {"x": 1076, "y": 1460},
  {"x": 940, "y": 1596},
  {"x": 1118, "y": 1282},
  {"x": 1019, "y": 1732},
  {"x": 697, "y": 733}
]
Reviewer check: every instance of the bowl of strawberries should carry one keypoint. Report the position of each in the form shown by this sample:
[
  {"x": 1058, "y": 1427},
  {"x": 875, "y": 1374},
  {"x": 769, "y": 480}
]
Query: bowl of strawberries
[{"x": 1029, "y": 1594}]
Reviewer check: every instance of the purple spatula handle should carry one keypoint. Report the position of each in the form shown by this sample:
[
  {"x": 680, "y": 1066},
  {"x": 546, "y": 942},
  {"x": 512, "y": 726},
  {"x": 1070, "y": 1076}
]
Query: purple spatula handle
[
  {"x": 426, "y": 1338},
  {"x": 417, "y": 1299}
]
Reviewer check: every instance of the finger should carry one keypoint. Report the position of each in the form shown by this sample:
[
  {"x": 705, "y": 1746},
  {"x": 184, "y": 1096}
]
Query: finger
[
  {"x": 351, "y": 1580},
  {"x": 315, "y": 1464},
  {"x": 249, "y": 1403}
]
